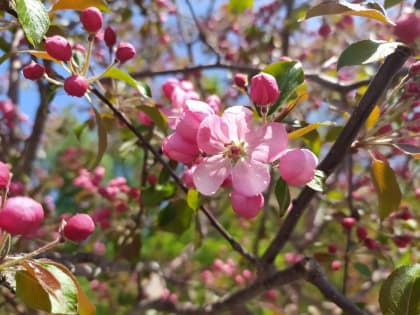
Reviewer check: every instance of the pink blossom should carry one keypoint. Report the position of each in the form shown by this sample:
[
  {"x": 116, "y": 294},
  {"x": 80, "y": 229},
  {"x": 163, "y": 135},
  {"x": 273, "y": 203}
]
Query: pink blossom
[
  {"x": 234, "y": 147},
  {"x": 169, "y": 86},
  {"x": 4, "y": 175},
  {"x": 179, "y": 149},
  {"x": 297, "y": 166}
]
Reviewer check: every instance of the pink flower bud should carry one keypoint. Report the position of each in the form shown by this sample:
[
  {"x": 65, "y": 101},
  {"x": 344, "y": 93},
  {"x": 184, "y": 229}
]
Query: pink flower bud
[
  {"x": 264, "y": 89},
  {"x": 58, "y": 47},
  {"x": 407, "y": 27},
  {"x": 348, "y": 222},
  {"x": 21, "y": 216},
  {"x": 4, "y": 175},
  {"x": 91, "y": 19},
  {"x": 179, "y": 149},
  {"x": 78, "y": 227},
  {"x": 33, "y": 71},
  {"x": 76, "y": 85},
  {"x": 362, "y": 233},
  {"x": 370, "y": 243},
  {"x": 297, "y": 166},
  {"x": 125, "y": 51},
  {"x": 241, "y": 80},
  {"x": 245, "y": 206},
  {"x": 169, "y": 85},
  {"x": 324, "y": 30},
  {"x": 335, "y": 265},
  {"x": 110, "y": 37}
]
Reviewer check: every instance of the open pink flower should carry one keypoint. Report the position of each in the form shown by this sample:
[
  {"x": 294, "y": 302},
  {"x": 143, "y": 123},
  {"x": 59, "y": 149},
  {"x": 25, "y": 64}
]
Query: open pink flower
[{"x": 234, "y": 147}]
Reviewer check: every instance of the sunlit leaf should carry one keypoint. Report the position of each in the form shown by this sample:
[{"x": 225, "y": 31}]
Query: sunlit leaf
[
  {"x": 193, "y": 199},
  {"x": 85, "y": 307},
  {"x": 118, "y": 74},
  {"x": 239, "y": 6},
  {"x": 366, "y": 51},
  {"x": 289, "y": 76},
  {"x": 304, "y": 130},
  {"x": 34, "y": 19},
  {"x": 318, "y": 182},
  {"x": 373, "y": 117},
  {"x": 40, "y": 54},
  {"x": 79, "y": 5},
  {"x": 387, "y": 188},
  {"x": 400, "y": 292},
  {"x": 369, "y": 10},
  {"x": 31, "y": 292},
  {"x": 282, "y": 195},
  {"x": 176, "y": 217}
]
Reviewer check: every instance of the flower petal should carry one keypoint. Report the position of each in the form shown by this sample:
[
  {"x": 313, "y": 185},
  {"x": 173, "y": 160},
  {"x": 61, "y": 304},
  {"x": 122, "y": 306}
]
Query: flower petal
[
  {"x": 250, "y": 177},
  {"x": 213, "y": 134},
  {"x": 238, "y": 118},
  {"x": 267, "y": 142},
  {"x": 210, "y": 174}
]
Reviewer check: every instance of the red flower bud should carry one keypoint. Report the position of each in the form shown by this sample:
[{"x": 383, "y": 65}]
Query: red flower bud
[
  {"x": 125, "y": 51},
  {"x": 76, "y": 85},
  {"x": 264, "y": 89},
  {"x": 414, "y": 69},
  {"x": 33, "y": 71},
  {"x": 4, "y": 175},
  {"x": 348, "y": 222},
  {"x": 362, "y": 233},
  {"x": 58, "y": 47},
  {"x": 407, "y": 27},
  {"x": 324, "y": 30},
  {"x": 79, "y": 227},
  {"x": 91, "y": 19},
  {"x": 241, "y": 80},
  {"x": 110, "y": 37},
  {"x": 21, "y": 216}
]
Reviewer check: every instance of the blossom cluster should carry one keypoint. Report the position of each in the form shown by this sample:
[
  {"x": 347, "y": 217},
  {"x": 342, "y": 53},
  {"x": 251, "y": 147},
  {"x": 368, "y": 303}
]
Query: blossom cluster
[{"x": 233, "y": 149}]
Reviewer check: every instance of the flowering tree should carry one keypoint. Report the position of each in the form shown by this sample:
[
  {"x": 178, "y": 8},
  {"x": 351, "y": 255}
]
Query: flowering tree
[{"x": 231, "y": 157}]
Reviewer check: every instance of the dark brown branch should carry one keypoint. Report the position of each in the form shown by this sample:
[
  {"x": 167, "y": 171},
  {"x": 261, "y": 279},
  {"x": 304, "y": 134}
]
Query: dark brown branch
[
  {"x": 147, "y": 146},
  {"x": 337, "y": 152},
  {"x": 307, "y": 269},
  {"x": 32, "y": 144},
  {"x": 285, "y": 36}
]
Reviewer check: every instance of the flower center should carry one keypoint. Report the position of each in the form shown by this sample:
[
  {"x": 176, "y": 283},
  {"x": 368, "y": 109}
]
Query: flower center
[{"x": 234, "y": 150}]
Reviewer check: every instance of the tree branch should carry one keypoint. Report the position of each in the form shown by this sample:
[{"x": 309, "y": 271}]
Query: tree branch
[
  {"x": 337, "y": 152},
  {"x": 307, "y": 269},
  {"x": 147, "y": 146}
]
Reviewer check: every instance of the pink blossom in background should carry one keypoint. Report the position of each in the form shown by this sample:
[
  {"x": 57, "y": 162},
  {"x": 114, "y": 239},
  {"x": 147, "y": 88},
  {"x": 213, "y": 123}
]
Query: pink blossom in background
[{"x": 234, "y": 147}]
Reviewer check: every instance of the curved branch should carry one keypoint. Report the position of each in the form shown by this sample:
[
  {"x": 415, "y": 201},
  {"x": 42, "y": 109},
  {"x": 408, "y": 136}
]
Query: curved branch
[{"x": 337, "y": 152}]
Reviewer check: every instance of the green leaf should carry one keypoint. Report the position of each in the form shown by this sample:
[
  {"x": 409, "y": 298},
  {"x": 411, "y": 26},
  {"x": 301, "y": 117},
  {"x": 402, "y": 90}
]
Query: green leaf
[
  {"x": 31, "y": 292},
  {"x": 400, "y": 292},
  {"x": 282, "y": 195},
  {"x": 176, "y": 217},
  {"x": 118, "y": 74},
  {"x": 363, "y": 269},
  {"x": 193, "y": 199},
  {"x": 387, "y": 188},
  {"x": 34, "y": 19},
  {"x": 154, "y": 195},
  {"x": 239, "y": 6},
  {"x": 318, "y": 182},
  {"x": 289, "y": 75},
  {"x": 391, "y": 3},
  {"x": 156, "y": 115},
  {"x": 102, "y": 138},
  {"x": 4, "y": 57},
  {"x": 366, "y": 51},
  {"x": 370, "y": 10},
  {"x": 79, "y": 5}
]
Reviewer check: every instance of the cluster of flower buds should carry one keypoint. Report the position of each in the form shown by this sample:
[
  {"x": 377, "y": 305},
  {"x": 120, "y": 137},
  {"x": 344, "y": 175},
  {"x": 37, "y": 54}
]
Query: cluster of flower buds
[
  {"x": 116, "y": 191},
  {"x": 59, "y": 48},
  {"x": 230, "y": 150}
]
